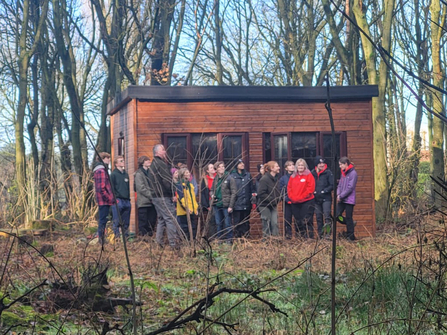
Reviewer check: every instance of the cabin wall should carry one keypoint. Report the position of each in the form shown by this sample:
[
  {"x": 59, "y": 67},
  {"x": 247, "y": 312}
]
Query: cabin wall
[{"x": 353, "y": 117}]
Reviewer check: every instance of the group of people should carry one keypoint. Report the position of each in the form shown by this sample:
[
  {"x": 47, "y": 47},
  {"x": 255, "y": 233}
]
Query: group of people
[
  {"x": 169, "y": 199},
  {"x": 303, "y": 193}
]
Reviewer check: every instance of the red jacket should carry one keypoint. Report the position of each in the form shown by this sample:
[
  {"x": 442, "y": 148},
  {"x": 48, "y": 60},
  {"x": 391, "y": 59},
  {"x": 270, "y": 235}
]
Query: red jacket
[{"x": 301, "y": 188}]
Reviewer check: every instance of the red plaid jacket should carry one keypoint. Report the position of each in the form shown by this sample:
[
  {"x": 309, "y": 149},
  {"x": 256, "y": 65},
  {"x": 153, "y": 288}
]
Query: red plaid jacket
[{"x": 103, "y": 188}]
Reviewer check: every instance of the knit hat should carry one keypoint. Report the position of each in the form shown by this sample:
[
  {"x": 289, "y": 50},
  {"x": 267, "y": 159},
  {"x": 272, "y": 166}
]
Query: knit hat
[{"x": 319, "y": 160}]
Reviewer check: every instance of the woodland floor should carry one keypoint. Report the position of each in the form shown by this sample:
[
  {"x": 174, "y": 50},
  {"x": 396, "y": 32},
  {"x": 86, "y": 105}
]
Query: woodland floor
[{"x": 167, "y": 281}]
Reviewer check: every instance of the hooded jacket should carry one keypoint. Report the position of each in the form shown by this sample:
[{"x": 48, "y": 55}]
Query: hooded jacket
[
  {"x": 301, "y": 188},
  {"x": 245, "y": 189},
  {"x": 269, "y": 194},
  {"x": 347, "y": 184},
  {"x": 324, "y": 184}
]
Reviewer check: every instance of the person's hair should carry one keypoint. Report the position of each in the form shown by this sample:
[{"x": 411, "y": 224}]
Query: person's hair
[
  {"x": 206, "y": 168},
  {"x": 117, "y": 158},
  {"x": 181, "y": 173},
  {"x": 216, "y": 165},
  {"x": 142, "y": 159},
  {"x": 182, "y": 165},
  {"x": 269, "y": 166},
  {"x": 260, "y": 166},
  {"x": 157, "y": 148},
  {"x": 286, "y": 164},
  {"x": 301, "y": 160},
  {"x": 344, "y": 160},
  {"x": 102, "y": 155}
]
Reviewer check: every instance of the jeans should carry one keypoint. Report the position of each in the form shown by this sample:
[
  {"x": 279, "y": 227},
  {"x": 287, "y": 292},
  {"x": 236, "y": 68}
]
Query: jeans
[
  {"x": 269, "y": 217},
  {"x": 167, "y": 221},
  {"x": 241, "y": 223},
  {"x": 303, "y": 213},
  {"x": 341, "y": 207},
  {"x": 323, "y": 214},
  {"x": 288, "y": 220},
  {"x": 103, "y": 213},
  {"x": 223, "y": 223},
  {"x": 124, "y": 208},
  {"x": 147, "y": 220}
]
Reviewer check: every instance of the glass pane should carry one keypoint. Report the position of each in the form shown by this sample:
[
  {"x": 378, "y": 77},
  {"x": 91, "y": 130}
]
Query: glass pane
[
  {"x": 232, "y": 150},
  {"x": 267, "y": 148},
  {"x": 281, "y": 152},
  {"x": 304, "y": 145},
  {"x": 204, "y": 149},
  {"x": 176, "y": 147},
  {"x": 327, "y": 152}
]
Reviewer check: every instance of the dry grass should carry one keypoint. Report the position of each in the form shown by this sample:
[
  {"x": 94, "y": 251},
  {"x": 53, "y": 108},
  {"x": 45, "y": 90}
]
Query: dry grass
[{"x": 73, "y": 253}]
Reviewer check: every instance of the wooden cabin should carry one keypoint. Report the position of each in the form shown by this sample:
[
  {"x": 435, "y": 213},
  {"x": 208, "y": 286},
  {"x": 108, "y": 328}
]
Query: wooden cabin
[{"x": 199, "y": 125}]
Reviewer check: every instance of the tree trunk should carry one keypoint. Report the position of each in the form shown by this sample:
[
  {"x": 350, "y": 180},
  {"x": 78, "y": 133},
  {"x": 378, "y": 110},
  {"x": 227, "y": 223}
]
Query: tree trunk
[
  {"x": 437, "y": 157},
  {"x": 378, "y": 104}
]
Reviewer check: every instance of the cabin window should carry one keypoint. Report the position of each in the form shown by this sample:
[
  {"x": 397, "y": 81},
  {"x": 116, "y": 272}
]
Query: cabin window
[
  {"x": 307, "y": 145},
  {"x": 121, "y": 147},
  {"x": 199, "y": 149}
]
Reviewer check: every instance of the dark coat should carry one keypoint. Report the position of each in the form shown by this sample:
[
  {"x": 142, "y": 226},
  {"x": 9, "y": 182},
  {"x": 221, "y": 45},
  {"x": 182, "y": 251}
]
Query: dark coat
[
  {"x": 160, "y": 179},
  {"x": 120, "y": 184},
  {"x": 141, "y": 186},
  {"x": 324, "y": 184},
  {"x": 204, "y": 194},
  {"x": 228, "y": 190},
  {"x": 245, "y": 189},
  {"x": 283, "y": 182},
  {"x": 269, "y": 194}
]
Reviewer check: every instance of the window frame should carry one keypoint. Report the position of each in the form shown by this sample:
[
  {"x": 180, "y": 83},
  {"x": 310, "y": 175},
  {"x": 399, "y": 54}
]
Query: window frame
[
  {"x": 319, "y": 142},
  {"x": 220, "y": 137}
]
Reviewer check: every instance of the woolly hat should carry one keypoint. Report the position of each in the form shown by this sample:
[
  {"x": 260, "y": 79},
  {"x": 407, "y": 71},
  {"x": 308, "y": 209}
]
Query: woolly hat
[{"x": 319, "y": 160}]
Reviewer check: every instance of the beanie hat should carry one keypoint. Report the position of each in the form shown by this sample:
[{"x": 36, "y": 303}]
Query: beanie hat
[{"x": 319, "y": 160}]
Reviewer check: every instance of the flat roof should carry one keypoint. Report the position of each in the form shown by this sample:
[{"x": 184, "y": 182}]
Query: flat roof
[{"x": 240, "y": 93}]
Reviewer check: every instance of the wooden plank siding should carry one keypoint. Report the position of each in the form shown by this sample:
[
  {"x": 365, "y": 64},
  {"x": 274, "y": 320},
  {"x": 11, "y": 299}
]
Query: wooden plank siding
[{"x": 152, "y": 119}]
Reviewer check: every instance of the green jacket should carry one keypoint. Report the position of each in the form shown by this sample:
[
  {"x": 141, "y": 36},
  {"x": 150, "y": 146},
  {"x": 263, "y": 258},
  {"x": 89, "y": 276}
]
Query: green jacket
[{"x": 224, "y": 191}]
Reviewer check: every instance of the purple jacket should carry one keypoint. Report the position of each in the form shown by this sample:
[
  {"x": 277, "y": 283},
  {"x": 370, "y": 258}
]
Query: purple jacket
[{"x": 346, "y": 186}]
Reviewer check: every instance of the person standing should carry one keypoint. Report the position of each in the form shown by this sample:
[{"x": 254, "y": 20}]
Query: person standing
[
  {"x": 103, "y": 192},
  {"x": 205, "y": 200},
  {"x": 162, "y": 189},
  {"x": 269, "y": 195},
  {"x": 187, "y": 206},
  {"x": 242, "y": 206},
  {"x": 147, "y": 215},
  {"x": 346, "y": 196},
  {"x": 120, "y": 183},
  {"x": 301, "y": 190},
  {"x": 224, "y": 197},
  {"x": 283, "y": 182},
  {"x": 324, "y": 184}
]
